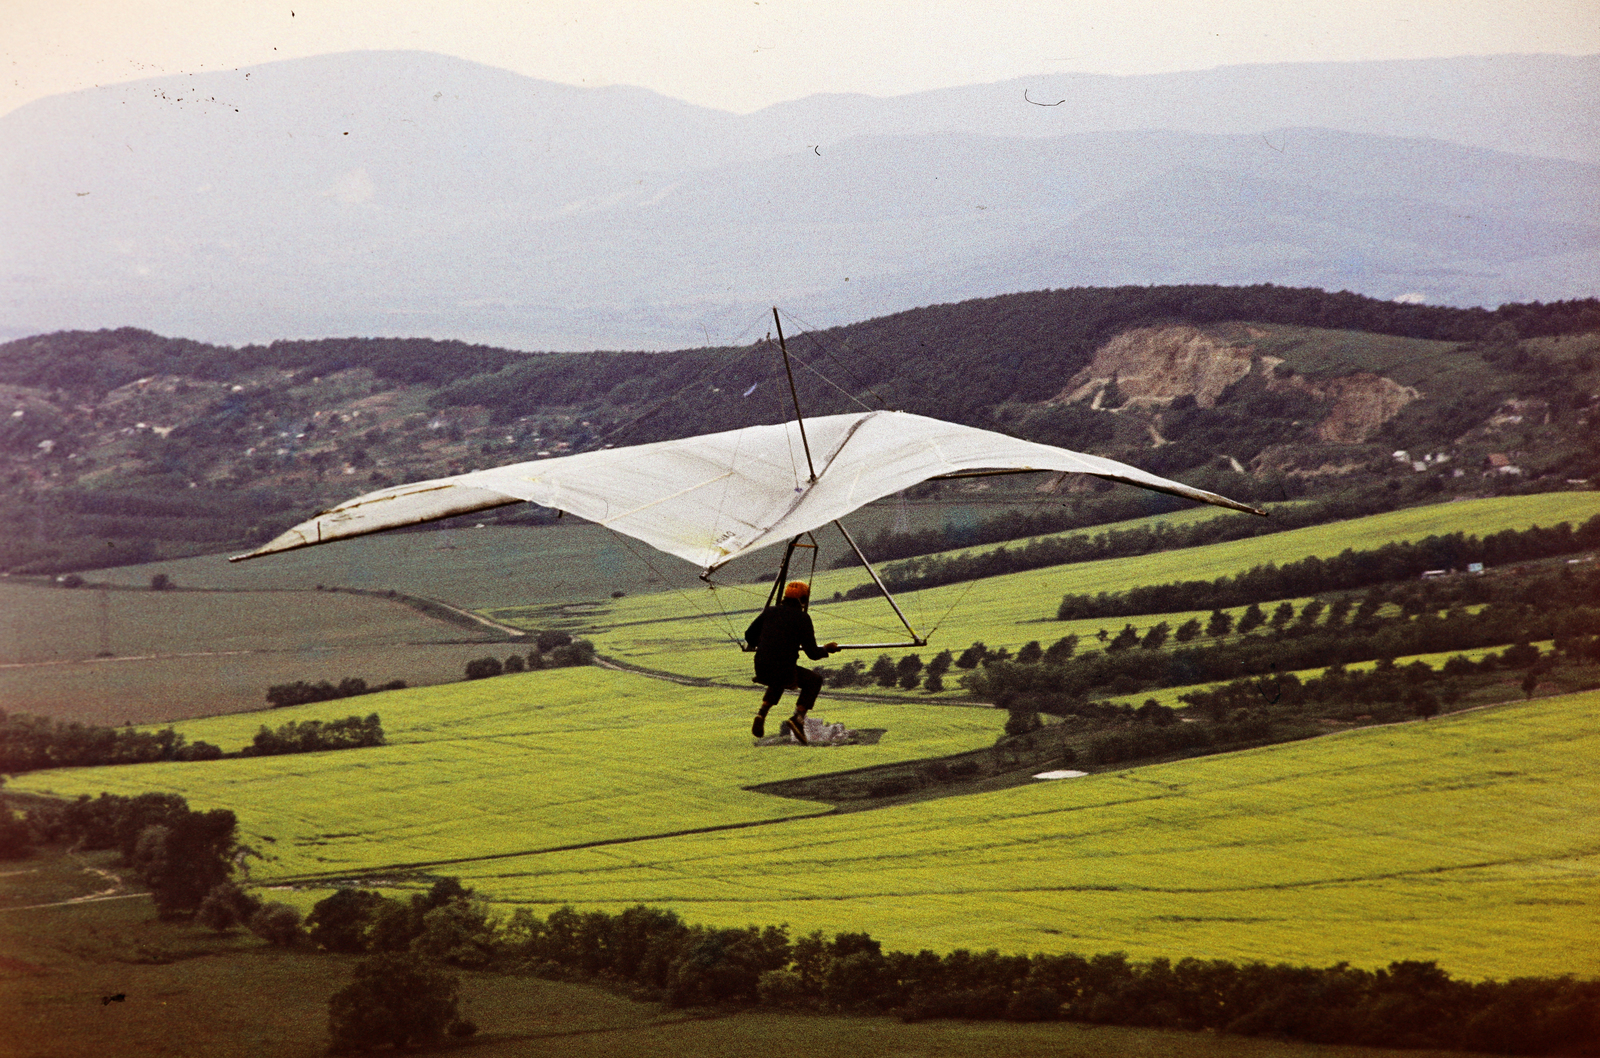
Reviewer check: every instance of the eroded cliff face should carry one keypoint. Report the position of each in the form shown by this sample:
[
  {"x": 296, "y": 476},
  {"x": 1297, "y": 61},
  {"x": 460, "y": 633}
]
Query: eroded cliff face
[
  {"x": 1360, "y": 404},
  {"x": 1151, "y": 367},
  {"x": 1155, "y": 365}
]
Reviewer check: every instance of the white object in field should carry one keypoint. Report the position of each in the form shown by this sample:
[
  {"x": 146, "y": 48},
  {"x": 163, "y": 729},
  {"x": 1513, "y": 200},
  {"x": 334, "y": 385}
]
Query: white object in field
[
  {"x": 1064, "y": 773},
  {"x": 711, "y": 498}
]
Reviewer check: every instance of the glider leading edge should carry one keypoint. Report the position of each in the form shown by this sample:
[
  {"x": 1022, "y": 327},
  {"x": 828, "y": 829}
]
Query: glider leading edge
[{"x": 712, "y": 498}]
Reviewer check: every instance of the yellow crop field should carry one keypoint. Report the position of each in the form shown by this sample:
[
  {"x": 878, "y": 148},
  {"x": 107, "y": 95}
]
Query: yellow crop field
[
  {"x": 1470, "y": 840},
  {"x": 511, "y": 764}
]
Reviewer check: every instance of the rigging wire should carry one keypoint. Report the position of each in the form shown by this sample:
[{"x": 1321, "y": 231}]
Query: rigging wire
[
  {"x": 720, "y": 361},
  {"x": 726, "y": 620}
]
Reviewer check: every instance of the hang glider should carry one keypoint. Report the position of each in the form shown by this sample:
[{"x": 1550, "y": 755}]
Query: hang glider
[{"x": 712, "y": 498}]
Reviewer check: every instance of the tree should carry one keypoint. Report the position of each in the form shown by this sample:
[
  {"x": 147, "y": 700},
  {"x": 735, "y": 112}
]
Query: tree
[
  {"x": 1251, "y": 619},
  {"x": 276, "y": 923},
  {"x": 16, "y": 837},
  {"x": 161, "y": 582},
  {"x": 1155, "y": 637},
  {"x": 1221, "y": 624},
  {"x": 973, "y": 656},
  {"x": 907, "y": 672},
  {"x": 883, "y": 671},
  {"x": 1191, "y": 628},
  {"x": 1022, "y": 721},
  {"x": 226, "y": 907},
  {"x": 1125, "y": 639},
  {"x": 342, "y": 922},
  {"x": 185, "y": 858},
  {"x": 483, "y": 668},
  {"x": 940, "y": 664},
  {"x": 1309, "y": 614},
  {"x": 514, "y": 663},
  {"x": 1061, "y": 650},
  {"x": 1282, "y": 615},
  {"x": 1030, "y": 653},
  {"x": 396, "y": 998}
]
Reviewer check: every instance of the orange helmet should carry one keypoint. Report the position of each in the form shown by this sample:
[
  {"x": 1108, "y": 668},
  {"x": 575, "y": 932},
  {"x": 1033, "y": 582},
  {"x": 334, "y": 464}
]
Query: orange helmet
[{"x": 797, "y": 589}]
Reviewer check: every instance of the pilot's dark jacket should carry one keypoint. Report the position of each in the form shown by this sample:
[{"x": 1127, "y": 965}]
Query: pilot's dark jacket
[{"x": 779, "y": 634}]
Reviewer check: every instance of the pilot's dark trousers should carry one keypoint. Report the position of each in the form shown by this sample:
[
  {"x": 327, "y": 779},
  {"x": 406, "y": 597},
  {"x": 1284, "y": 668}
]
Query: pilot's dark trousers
[{"x": 805, "y": 680}]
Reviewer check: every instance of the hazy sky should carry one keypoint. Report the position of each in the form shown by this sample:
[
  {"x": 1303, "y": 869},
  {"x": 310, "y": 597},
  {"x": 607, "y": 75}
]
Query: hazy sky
[{"x": 745, "y": 54}]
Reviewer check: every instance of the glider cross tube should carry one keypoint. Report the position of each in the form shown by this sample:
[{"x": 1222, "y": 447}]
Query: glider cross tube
[{"x": 711, "y": 498}]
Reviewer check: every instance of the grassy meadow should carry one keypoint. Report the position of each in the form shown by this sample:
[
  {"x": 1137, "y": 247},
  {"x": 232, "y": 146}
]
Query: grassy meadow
[{"x": 1469, "y": 840}]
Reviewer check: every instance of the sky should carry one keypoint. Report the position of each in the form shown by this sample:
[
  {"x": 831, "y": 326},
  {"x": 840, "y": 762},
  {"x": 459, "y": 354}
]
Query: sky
[{"x": 741, "y": 55}]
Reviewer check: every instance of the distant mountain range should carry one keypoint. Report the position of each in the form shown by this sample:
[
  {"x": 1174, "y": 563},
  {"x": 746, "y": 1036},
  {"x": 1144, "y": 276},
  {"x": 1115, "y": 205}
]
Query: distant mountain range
[{"x": 396, "y": 193}]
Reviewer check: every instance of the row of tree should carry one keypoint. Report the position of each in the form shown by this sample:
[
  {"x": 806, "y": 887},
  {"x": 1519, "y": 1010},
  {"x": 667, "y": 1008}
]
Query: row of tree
[
  {"x": 30, "y": 743},
  {"x": 552, "y": 650},
  {"x": 315, "y": 736},
  {"x": 300, "y": 692},
  {"x": 1128, "y": 670},
  {"x": 1348, "y": 571},
  {"x": 1413, "y": 1004},
  {"x": 33, "y": 743}
]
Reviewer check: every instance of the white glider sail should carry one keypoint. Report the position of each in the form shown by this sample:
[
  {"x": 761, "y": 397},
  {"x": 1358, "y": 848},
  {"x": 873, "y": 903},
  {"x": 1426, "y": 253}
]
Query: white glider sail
[{"x": 712, "y": 498}]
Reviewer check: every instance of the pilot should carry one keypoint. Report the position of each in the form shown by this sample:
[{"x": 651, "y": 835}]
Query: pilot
[{"x": 779, "y": 633}]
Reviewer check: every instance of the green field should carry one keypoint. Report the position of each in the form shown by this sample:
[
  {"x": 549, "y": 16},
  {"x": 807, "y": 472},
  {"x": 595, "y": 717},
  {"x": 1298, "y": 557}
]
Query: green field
[{"x": 1470, "y": 840}]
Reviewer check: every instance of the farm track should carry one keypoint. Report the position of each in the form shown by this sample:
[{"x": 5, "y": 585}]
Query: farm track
[
  {"x": 393, "y": 868},
  {"x": 115, "y": 892}
]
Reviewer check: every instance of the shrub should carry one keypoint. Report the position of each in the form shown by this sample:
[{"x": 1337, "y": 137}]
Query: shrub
[
  {"x": 483, "y": 668},
  {"x": 226, "y": 907},
  {"x": 276, "y": 923},
  {"x": 396, "y": 998},
  {"x": 342, "y": 922}
]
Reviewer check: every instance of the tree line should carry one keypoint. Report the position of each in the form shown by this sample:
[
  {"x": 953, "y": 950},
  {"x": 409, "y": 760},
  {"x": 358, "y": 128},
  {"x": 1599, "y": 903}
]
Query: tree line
[
  {"x": 315, "y": 736},
  {"x": 1347, "y": 571},
  {"x": 1124, "y": 667},
  {"x": 34, "y": 743},
  {"x": 280, "y": 695},
  {"x": 551, "y": 650},
  {"x": 1408, "y": 1003}
]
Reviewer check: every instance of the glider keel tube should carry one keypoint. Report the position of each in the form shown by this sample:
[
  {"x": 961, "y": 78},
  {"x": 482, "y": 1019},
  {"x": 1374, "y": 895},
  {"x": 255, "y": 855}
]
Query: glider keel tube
[{"x": 712, "y": 498}]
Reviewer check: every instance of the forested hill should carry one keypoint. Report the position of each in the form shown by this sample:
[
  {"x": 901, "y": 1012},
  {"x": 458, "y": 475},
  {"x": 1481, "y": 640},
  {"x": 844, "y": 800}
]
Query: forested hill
[{"x": 129, "y": 445}]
